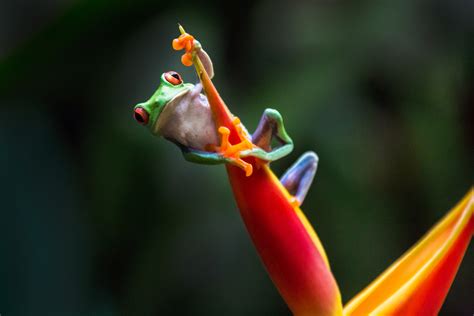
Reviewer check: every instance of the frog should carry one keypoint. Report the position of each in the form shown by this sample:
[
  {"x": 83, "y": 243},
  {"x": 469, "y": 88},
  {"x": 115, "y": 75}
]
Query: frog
[{"x": 180, "y": 113}]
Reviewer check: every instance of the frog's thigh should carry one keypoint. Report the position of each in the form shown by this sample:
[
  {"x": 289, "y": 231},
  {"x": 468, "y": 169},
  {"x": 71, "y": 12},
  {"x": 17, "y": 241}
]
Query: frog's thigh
[{"x": 298, "y": 178}]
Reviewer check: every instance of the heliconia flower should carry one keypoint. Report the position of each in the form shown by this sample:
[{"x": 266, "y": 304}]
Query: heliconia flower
[
  {"x": 294, "y": 257},
  {"x": 418, "y": 282}
]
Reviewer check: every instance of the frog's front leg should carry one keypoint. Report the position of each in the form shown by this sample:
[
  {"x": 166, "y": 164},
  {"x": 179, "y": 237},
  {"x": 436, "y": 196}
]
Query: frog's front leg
[
  {"x": 298, "y": 178},
  {"x": 205, "y": 59},
  {"x": 193, "y": 49},
  {"x": 207, "y": 63},
  {"x": 270, "y": 127},
  {"x": 201, "y": 156}
]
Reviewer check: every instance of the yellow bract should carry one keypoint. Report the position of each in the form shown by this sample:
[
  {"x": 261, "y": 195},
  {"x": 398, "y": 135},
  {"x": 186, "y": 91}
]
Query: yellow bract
[{"x": 417, "y": 283}]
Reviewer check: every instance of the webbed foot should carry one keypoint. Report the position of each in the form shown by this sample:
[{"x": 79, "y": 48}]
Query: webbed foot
[
  {"x": 298, "y": 178},
  {"x": 185, "y": 41},
  {"x": 192, "y": 49},
  {"x": 233, "y": 152}
]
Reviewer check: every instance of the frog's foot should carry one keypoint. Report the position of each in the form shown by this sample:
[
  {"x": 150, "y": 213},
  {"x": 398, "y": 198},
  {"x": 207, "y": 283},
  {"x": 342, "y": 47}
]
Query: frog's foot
[
  {"x": 193, "y": 52},
  {"x": 185, "y": 41},
  {"x": 192, "y": 47},
  {"x": 232, "y": 152},
  {"x": 298, "y": 178}
]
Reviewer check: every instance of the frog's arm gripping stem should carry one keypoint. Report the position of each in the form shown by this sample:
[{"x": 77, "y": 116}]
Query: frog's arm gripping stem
[
  {"x": 234, "y": 136},
  {"x": 270, "y": 126},
  {"x": 202, "y": 157}
]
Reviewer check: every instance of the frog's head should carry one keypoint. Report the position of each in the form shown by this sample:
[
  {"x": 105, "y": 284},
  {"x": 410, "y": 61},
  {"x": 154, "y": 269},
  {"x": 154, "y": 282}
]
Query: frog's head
[{"x": 171, "y": 87}]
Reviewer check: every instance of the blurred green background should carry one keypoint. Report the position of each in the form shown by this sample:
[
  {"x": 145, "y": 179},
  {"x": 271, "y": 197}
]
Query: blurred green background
[{"x": 100, "y": 218}]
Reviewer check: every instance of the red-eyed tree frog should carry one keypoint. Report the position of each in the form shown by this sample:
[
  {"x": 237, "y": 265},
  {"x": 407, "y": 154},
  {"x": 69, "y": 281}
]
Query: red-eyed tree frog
[{"x": 180, "y": 113}]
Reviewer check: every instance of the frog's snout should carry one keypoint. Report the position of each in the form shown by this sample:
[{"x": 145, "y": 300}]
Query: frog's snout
[{"x": 141, "y": 115}]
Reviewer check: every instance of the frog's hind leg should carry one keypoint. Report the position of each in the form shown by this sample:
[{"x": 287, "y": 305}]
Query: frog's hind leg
[
  {"x": 271, "y": 128},
  {"x": 298, "y": 178}
]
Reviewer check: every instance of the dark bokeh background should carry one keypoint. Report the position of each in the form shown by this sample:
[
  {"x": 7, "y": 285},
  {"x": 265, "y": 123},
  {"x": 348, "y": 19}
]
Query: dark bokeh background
[{"x": 100, "y": 218}]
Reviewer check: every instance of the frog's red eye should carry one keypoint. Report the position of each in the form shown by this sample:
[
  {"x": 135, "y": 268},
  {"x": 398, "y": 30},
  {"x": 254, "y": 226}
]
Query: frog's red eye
[
  {"x": 173, "y": 77},
  {"x": 141, "y": 116}
]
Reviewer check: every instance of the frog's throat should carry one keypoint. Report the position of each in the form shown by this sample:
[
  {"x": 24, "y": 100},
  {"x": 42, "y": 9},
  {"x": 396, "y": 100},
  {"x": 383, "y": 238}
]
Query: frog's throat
[{"x": 155, "y": 129}]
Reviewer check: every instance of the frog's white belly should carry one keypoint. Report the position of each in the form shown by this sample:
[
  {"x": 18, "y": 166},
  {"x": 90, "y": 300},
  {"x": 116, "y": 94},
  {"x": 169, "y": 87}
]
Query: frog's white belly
[{"x": 188, "y": 120}]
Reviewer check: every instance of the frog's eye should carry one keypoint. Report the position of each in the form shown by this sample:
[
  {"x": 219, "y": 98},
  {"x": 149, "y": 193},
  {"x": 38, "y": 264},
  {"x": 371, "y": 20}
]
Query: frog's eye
[
  {"x": 141, "y": 116},
  {"x": 173, "y": 77}
]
